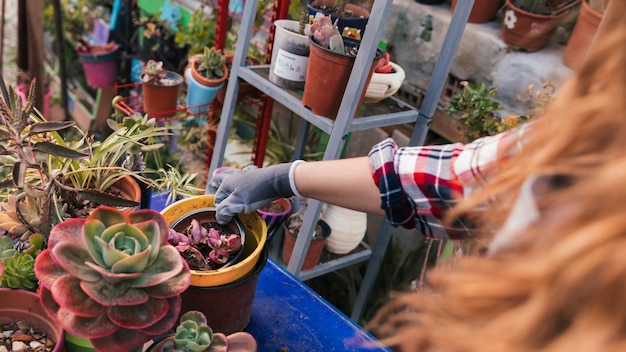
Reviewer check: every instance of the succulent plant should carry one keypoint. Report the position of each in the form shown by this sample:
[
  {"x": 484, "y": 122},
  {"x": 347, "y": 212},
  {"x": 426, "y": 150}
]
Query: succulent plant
[
  {"x": 153, "y": 72},
  {"x": 17, "y": 261},
  {"x": 326, "y": 34},
  {"x": 194, "y": 335},
  {"x": 205, "y": 249},
  {"x": 112, "y": 277},
  {"x": 211, "y": 63}
]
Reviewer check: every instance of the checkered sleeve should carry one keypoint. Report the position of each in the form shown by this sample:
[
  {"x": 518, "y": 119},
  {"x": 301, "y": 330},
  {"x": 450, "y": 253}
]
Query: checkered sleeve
[{"x": 419, "y": 184}]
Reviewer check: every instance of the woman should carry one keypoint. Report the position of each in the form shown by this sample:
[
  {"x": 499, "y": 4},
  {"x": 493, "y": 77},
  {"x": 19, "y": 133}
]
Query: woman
[{"x": 549, "y": 201}]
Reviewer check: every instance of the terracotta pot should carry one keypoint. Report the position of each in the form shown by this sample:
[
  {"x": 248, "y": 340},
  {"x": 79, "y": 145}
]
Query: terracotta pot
[
  {"x": 227, "y": 307},
  {"x": 204, "y": 80},
  {"x": 25, "y": 305},
  {"x": 327, "y": 78},
  {"x": 483, "y": 10},
  {"x": 129, "y": 189},
  {"x": 523, "y": 30},
  {"x": 582, "y": 35},
  {"x": 316, "y": 246},
  {"x": 162, "y": 101}
]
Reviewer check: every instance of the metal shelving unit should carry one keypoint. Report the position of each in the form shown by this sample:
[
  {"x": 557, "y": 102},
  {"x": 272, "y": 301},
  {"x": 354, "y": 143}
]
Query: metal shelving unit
[{"x": 397, "y": 112}]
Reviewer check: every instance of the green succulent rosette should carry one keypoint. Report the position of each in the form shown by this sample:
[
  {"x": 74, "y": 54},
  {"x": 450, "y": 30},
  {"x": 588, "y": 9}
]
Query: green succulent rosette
[{"x": 112, "y": 277}]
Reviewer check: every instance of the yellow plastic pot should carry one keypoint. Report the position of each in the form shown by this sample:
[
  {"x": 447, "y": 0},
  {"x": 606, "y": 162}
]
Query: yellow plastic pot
[{"x": 256, "y": 236}]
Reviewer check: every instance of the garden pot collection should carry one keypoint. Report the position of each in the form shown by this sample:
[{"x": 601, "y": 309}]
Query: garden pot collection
[
  {"x": 100, "y": 65},
  {"x": 162, "y": 100},
  {"x": 316, "y": 246},
  {"x": 582, "y": 35},
  {"x": 290, "y": 55},
  {"x": 327, "y": 78},
  {"x": 25, "y": 305},
  {"x": 523, "y": 30},
  {"x": 483, "y": 11},
  {"x": 211, "y": 292}
]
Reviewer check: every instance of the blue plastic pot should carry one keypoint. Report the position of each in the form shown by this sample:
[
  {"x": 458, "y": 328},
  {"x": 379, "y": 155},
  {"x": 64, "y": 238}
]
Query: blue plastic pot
[{"x": 199, "y": 96}]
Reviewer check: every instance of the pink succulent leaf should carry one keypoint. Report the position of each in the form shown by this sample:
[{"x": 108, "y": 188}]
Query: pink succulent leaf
[
  {"x": 197, "y": 233},
  {"x": 214, "y": 233},
  {"x": 86, "y": 327},
  {"x": 164, "y": 324},
  {"x": 219, "y": 256},
  {"x": 214, "y": 242},
  {"x": 176, "y": 238},
  {"x": 139, "y": 316},
  {"x": 46, "y": 269},
  {"x": 219, "y": 343},
  {"x": 121, "y": 340},
  {"x": 69, "y": 295},
  {"x": 171, "y": 287},
  {"x": 69, "y": 230},
  {"x": 234, "y": 242},
  {"x": 113, "y": 295},
  {"x": 196, "y": 316},
  {"x": 108, "y": 216},
  {"x": 48, "y": 303},
  {"x": 241, "y": 341},
  {"x": 139, "y": 216},
  {"x": 182, "y": 247},
  {"x": 72, "y": 257},
  {"x": 167, "y": 265}
]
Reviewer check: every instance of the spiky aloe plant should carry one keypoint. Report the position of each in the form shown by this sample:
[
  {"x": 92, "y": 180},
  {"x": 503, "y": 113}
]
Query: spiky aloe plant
[
  {"x": 194, "y": 335},
  {"x": 112, "y": 277}
]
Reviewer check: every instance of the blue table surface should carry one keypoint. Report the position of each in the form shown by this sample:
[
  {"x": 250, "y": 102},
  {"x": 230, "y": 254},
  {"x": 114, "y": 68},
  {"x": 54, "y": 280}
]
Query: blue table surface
[{"x": 287, "y": 315}]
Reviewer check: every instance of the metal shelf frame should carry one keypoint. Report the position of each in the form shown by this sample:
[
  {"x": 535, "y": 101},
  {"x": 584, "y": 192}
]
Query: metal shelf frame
[{"x": 339, "y": 128}]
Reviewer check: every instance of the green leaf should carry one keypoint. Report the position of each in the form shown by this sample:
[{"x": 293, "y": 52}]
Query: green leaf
[
  {"x": 59, "y": 150},
  {"x": 49, "y": 126}
]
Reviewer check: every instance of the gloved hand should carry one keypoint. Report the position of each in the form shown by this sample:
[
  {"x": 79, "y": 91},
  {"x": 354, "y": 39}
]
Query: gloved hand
[{"x": 245, "y": 191}]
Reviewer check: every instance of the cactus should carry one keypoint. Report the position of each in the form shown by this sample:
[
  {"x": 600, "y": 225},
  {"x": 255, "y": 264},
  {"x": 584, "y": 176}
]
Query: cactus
[{"x": 112, "y": 277}]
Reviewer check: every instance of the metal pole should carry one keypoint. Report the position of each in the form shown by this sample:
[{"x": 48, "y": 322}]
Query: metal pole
[{"x": 58, "y": 24}]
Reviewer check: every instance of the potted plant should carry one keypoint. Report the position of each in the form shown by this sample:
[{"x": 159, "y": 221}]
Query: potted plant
[
  {"x": 194, "y": 334},
  {"x": 330, "y": 64},
  {"x": 26, "y": 324},
  {"x": 99, "y": 63},
  {"x": 385, "y": 82},
  {"x": 589, "y": 18},
  {"x": 477, "y": 111},
  {"x": 529, "y": 24},
  {"x": 290, "y": 51},
  {"x": 318, "y": 239},
  {"x": 212, "y": 291},
  {"x": 207, "y": 74},
  {"x": 349, "y": 17},
  {"x": 112, "y": 278},
  {"x": 160, "y": 89},
  {"x": 483, "y": 10},
  {"x": 55, "y": 171},
  {"x": 274, "y": 214}
]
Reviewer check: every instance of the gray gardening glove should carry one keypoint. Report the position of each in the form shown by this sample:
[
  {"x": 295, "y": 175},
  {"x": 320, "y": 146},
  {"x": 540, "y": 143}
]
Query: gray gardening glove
[{"x": 245, "y": 191}]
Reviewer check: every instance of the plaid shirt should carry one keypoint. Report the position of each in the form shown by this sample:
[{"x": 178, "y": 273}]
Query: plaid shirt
[{"x": 418, "y": 184}]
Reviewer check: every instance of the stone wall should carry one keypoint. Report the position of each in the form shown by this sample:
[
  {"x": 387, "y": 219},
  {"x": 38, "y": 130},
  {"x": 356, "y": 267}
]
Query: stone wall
[{"x": 482, "y": 55}]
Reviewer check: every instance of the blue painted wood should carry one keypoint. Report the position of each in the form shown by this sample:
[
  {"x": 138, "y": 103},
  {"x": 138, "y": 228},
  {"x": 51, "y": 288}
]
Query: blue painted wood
[{"x": 288, "y": 314}]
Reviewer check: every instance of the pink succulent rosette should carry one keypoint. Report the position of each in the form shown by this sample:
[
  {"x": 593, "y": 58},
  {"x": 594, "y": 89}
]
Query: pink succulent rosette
[{"x": 112, "y": 277}]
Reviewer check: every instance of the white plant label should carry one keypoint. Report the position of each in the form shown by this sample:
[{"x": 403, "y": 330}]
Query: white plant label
[{"x": 290, "y": 66}]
